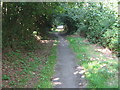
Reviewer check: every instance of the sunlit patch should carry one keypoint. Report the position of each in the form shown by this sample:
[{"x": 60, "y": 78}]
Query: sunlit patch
[
  {"x": 56, "y": 79},
  {"x": 47, "y": 41},
  {"x": 44, "y": 41},
  {"x": 37, "y": 37},
  {"x": 1, "y": 4},
  {"x": 93, "y": 59},
  {"x": 104, "y": 51},
  {"x": 75, "y": 73},
  {"x": 103, "y": 65},
  {"x": 79, "y": 68},
  {"x": 60, "y": 28},
  {"x": 82, "y": 76},
  {"x": 80, "y": 84},
  {"x": 57, "y": 83},
  {"x": 54, "y": 44},
  {"x": 82, "y": 72}
]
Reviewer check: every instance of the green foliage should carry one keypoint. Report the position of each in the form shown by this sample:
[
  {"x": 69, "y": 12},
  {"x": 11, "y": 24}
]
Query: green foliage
[
  {"x": 110, "y": 38},
  {"x": 100, "y": 71},
  {"x": 92, "y": 20},
  {"x": 25, "y": 65},
  {"x": 47, "y": 71},
  {"x": 5, "y": 77},
  {"x": 20, "y": 19},
  {"x": 12, "y": 83}
]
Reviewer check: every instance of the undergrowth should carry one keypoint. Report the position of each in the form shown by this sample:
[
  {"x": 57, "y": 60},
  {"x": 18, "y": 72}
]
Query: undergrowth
[
  {"x": 47, "y": 71},
  {"x": 101, "y": 71},
  {"x": 20, "y": 67}
]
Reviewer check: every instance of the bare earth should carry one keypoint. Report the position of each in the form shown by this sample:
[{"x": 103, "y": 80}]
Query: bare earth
[{"x": 68, "y": 73}]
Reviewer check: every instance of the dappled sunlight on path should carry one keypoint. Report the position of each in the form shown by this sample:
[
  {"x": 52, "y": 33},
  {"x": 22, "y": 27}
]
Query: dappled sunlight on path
[{"x": 68, "y": 73}]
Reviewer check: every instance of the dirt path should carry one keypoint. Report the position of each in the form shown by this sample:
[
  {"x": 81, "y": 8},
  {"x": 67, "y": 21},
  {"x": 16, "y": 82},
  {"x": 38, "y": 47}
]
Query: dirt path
[{"x": 67, "y": 75}]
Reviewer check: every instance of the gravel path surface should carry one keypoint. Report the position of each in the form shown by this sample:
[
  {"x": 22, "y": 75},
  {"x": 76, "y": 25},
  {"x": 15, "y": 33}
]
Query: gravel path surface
[{"x": 67, "y": 71}]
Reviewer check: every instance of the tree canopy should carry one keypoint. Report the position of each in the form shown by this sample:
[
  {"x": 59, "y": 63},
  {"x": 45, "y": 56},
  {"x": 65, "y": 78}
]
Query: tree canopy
[{"x": 93, "y": 20}]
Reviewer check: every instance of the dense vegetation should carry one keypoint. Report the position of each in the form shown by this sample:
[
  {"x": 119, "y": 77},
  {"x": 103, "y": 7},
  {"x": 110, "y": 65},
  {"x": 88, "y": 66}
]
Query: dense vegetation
[
  {"x": 26, "y": 57},
  {"x": 25, "y": 24},
  {"x": 29, "y": 69},
  {"x": 92, "y": 20},
  {"x": 101, "y": 69},
  {"x": 21, "y": 19}
]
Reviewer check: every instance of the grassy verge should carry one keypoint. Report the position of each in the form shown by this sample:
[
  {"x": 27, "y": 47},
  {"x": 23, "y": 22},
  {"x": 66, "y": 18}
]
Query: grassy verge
[
  {"x": 47, "y": 71},
  {"x": 100, "y": 71},
  {"x": 19, "y": 68}
]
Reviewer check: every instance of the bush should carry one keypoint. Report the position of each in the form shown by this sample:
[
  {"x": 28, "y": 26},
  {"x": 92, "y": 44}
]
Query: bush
[{"x": 94, "y": 21}]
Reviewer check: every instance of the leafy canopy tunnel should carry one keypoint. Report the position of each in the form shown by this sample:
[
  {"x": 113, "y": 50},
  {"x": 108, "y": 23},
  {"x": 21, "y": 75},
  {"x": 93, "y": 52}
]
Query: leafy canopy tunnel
[{"x": 96, "y": 21}]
